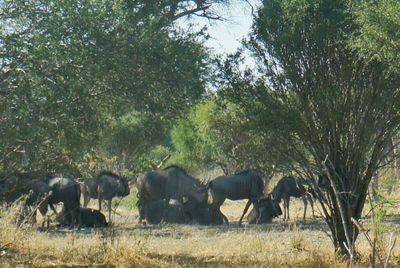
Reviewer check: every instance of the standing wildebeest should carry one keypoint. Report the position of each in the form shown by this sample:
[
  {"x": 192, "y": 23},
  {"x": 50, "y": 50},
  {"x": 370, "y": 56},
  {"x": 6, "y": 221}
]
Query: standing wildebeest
[
  {"x": 288, "y": 187},
  {"x": 243, "y": 185},
  {"x": 37, "y": 193},
  {"x": 269, "y": 209},
  {"x": 169, "y": 183},
  {"x": 67, "y": 191},
  {"x": 105, "y": 186}
]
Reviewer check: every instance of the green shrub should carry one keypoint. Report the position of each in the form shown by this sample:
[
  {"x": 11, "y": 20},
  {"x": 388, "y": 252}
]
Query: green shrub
[
  {"x": 127, "y": 201},
  {"x": 388, "y": 181}
]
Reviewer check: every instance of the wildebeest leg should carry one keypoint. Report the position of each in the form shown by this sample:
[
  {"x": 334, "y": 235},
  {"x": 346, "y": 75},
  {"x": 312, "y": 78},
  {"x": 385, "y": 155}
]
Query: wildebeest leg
[
  {"x": 223, "y": 216},
  {"x": 257, "y": 209},
  {"x": 286, "y": 201},
  {"x": 34, "y": 214},
  {"x": 305, "y": 206},
  {"x": 165, "y": 211},
  {"x": 86, "y": 200},
  {"x": 100, "y": 200},
  {"x": 245, "y": 210},
  {"x": 310, "y": 199},
  {"x": 53, "y": 208},
  {"x": 140, "y": 205},
  {"x": 109, "y": 210}
]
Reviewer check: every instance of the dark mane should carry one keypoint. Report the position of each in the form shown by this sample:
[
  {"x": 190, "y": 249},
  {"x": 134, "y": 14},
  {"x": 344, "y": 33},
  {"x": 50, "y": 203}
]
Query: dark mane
[
  {"x": 246, "y": 171},
  {"x": 108, "y": 173},
  {"x": 186, "y": 174}
]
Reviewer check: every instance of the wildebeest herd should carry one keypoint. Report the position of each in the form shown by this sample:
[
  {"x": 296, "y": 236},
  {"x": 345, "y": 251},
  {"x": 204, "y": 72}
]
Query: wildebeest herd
[{"x": 168, "y": 195}]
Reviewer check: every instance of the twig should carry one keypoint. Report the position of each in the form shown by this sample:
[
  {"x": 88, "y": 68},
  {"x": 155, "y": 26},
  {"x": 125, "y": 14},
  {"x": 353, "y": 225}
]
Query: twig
[{"x": 392, "y": 243}]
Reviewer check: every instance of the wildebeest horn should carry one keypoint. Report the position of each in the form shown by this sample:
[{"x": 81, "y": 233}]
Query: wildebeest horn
[{"x": 165, "y": 159}]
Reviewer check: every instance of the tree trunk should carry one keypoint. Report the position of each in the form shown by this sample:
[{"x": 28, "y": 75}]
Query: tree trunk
[
  {"x": 339, "y": 221},
  {"x": 339, "y": 235}
]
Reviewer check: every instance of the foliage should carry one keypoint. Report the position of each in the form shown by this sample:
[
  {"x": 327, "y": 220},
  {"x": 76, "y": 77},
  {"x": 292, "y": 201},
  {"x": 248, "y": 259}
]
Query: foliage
[
  {"x": 388, "y": 181},
  {"x": 336, "y": 111},
  {"x": 72, "y": 71},
  {"x": 151, "y": 159},
  {"x": 127, "y": 201},
  {"x": 378, "y": 37},
  {"x": 216, "y": 132}
]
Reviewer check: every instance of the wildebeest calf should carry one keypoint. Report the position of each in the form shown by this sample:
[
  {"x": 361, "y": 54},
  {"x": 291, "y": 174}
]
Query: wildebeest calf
[
  {"x": 89, "y": 218},
  {"x": 290, "y": 186}
]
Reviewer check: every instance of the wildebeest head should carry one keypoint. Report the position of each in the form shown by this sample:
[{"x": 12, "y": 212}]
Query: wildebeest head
[
  {"x": 111, "y": 185},
  {"x": 268, "y": 209},
  {"x": 123, "y": 186},
  {"x": 323, "y": 182},
  {"x": 271, "y": 205}
]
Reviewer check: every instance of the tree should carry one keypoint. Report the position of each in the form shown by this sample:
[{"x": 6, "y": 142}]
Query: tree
[
  {"x": 378, "y": 36},
  {"x": 71, "y": 70},
  {"x": 217, "y": 132},
  {"x": 326, "y": 107}
]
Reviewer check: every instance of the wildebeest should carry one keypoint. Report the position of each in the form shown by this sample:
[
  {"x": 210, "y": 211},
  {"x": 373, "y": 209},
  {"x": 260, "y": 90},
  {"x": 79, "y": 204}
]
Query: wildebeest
[
  {"x": 175, "y": 212},
  {"x": 169, "y": 183},
  {"x": 288, "y": 187},
  {"x": 247, "y": 184},
  {"x": 268, "y": 208},
  {"x": 323, "y": 182},
  {"x": 156, "y": 211},
  {"x": 90, "y": 218},
  {"x": 65, "y": 190},
  {"x": 200, "y": 212},
  {"x": 39, "y": 194},
  {"x": 36, "y": 191},
  {"x": 105, "y": 186}
]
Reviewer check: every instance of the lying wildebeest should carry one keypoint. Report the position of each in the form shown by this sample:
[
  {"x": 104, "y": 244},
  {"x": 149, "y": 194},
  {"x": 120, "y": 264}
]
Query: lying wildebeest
[
  {"x": 288, "y": 187},
  {"x": 268, "y": 208},
  {"x": 247, "y": 184},
  {"x": 65, "y": 190},
  {"x": 200, "y": 212},
  {"x": 169, "y": 183},
  {"x": 176, "y": 212},
  {"x": 156, "y": 211},
  {"x": 105, "y": 186},
  {"x": 90, "y": 218}
]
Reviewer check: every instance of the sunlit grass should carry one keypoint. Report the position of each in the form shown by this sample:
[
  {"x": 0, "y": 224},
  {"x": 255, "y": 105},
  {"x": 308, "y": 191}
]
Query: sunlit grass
[{"x": 126, "y": 244}]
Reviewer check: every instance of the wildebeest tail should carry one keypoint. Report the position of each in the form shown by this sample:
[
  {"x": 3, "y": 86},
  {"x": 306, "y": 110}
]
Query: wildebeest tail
[{"x": 277, "y": 192}]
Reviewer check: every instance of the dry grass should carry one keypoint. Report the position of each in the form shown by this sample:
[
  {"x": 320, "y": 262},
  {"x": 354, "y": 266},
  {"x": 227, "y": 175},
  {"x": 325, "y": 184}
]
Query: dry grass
[{"x": 294, "y": 244}]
